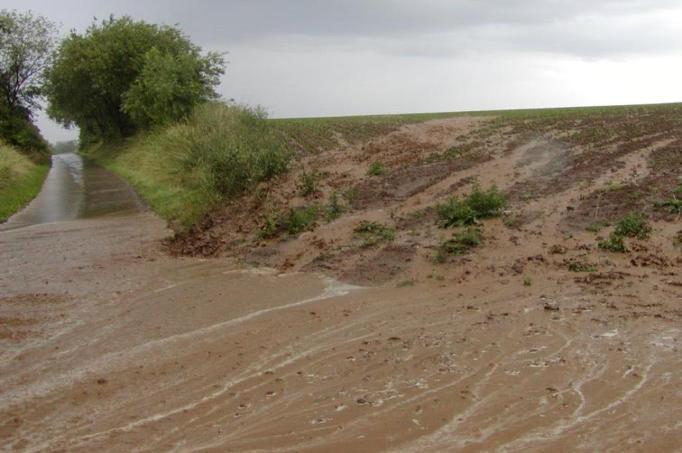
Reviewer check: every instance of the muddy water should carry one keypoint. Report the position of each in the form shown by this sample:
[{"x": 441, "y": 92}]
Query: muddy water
[{"x": 73, "y": 189}]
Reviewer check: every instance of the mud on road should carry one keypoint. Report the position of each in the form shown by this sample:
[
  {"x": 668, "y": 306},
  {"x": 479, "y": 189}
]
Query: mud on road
[{"x": 109, "y": 343}]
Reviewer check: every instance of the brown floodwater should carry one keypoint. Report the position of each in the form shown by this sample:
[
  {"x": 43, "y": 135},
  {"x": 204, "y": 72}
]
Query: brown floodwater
[{"x": 76, "y": 188}]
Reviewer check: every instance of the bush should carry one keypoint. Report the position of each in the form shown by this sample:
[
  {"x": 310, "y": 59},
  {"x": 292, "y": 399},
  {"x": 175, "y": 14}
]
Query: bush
[
  {"x": 226, "y": 148},
  {"x": 376, "y": 168},
  {"x": 182, "y": 171},
  {"x": 477, "y": 205}
]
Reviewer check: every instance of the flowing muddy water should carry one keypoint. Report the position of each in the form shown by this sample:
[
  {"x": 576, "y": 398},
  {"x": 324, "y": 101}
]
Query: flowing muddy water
[{"x": 109, "y": 344}]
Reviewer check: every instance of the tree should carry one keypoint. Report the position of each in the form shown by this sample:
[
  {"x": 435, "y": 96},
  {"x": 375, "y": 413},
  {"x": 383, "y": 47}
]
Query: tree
[
  {"x": 26, "y": 45},
  {"x": 121, "y": 76}
]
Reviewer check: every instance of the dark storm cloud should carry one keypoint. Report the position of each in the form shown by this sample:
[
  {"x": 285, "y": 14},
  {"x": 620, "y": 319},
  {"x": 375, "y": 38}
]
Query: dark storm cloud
[
  {"x": 434, "y": 27},
  {"x": 583, "y": 28}
]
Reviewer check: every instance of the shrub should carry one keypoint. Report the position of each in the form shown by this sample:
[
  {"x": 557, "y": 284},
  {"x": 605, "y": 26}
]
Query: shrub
[
  {"x": 372, "y": 233},
  {"x": 527, "y": 281},
  {"x": 226, "y": 148},
  {"x": 479, "y": 204},
  {"x": 376, "y": 168},
  {"x": 299, "y": 220}
]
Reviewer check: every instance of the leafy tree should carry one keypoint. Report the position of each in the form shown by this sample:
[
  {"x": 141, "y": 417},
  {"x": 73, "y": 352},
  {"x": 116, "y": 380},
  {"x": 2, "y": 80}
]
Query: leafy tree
[
  {"x": 26, "y": 45},
  {"x": 121, "y": 76}
]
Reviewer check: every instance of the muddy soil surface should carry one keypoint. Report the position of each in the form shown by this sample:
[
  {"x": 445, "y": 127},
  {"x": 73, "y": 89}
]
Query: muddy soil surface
[{"x": 109, "y": 343}]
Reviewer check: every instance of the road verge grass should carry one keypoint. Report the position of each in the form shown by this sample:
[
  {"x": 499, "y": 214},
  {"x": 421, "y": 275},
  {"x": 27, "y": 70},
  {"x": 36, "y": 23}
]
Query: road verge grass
[
  {"x": 20, "y": 180},
  {"x": 184, "y": 170}
]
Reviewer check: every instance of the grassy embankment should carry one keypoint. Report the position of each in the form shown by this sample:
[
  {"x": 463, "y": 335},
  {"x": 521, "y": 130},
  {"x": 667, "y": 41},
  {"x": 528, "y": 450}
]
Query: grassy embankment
[
  {"x": 222, "y": 151},
  {"x": 20, "y": 180}
]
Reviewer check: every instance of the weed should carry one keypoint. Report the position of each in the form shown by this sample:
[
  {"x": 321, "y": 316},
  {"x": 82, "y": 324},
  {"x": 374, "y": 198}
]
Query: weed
[
  {"x": 373, "y": 233},
  {"x": 334, "y": 208},
  {"x": 298, "y": 220},
  {"x": 479, "y": 204},
  {"x": 614, "y": 243},
  {"x": 269, "y": 227},
  {"x": 459, "y": 243},
  {"x": 672, "y": 205},
  {"x": 579, "y": 266},
  {"x": 376, "y": 168},
  {"x": 405, "y": 284},
  {"x": 307, "y": 183},
  {"x": 527, "y": 281},
  {"x": 632, "y": 225}
]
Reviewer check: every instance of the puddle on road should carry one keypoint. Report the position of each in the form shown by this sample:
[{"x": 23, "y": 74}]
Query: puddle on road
[{"x": 74, "y": 189}]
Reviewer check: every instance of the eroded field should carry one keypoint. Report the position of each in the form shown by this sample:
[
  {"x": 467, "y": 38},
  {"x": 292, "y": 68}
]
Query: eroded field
[{"x": 341, "y": 337}]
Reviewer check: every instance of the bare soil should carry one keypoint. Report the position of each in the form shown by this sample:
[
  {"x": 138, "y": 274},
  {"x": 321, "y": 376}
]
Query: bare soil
[{"x": 321, "y": 342}]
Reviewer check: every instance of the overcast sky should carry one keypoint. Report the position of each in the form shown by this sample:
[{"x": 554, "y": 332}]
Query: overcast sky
[{"x": 341, "y": 57}]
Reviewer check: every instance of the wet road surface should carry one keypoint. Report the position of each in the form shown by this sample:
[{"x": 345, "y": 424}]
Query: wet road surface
[{"x": 74, "y": 189}]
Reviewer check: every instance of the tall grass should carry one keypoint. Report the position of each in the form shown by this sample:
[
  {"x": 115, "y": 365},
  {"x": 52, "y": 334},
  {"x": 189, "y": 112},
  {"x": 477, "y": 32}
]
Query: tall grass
[
  {"x": 183, "y": 170},
  {"x": 20, "y": 180}
]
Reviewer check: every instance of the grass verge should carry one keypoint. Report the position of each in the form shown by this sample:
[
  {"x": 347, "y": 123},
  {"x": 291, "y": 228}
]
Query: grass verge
[
  {"x": 184, "y": 170},
  {"x": 20, "y": 180}
]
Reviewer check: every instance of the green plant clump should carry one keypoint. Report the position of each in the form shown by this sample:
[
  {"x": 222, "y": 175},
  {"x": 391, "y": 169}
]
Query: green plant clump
[
  {"x": 334, "y": 208},
  {"x": 373, "y": 233},
  {"x": 633, "y": 225},
  {"x": 614, "y": 244},
  {"x": 299, "y": 220},
  {"x": 578, "y": 266},
  {"x": 376, "y": 168},
  {"x": 459, "y": 243},
  {"x": 307, "y": 183},
  {"x": 479, "y": 204}
]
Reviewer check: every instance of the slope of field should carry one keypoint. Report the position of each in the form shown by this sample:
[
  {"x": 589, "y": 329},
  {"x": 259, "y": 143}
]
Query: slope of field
[
  {"x": 351, "y": 305},
  {"x": 20, "y": 180}
]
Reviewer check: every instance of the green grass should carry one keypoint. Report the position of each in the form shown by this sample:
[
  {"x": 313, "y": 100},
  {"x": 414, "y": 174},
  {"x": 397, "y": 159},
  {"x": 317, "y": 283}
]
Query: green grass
[
  {"x": 479, "y": 204},
  {"x": 20, "y": 180},
  {"x": 182, "y": 171}
]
